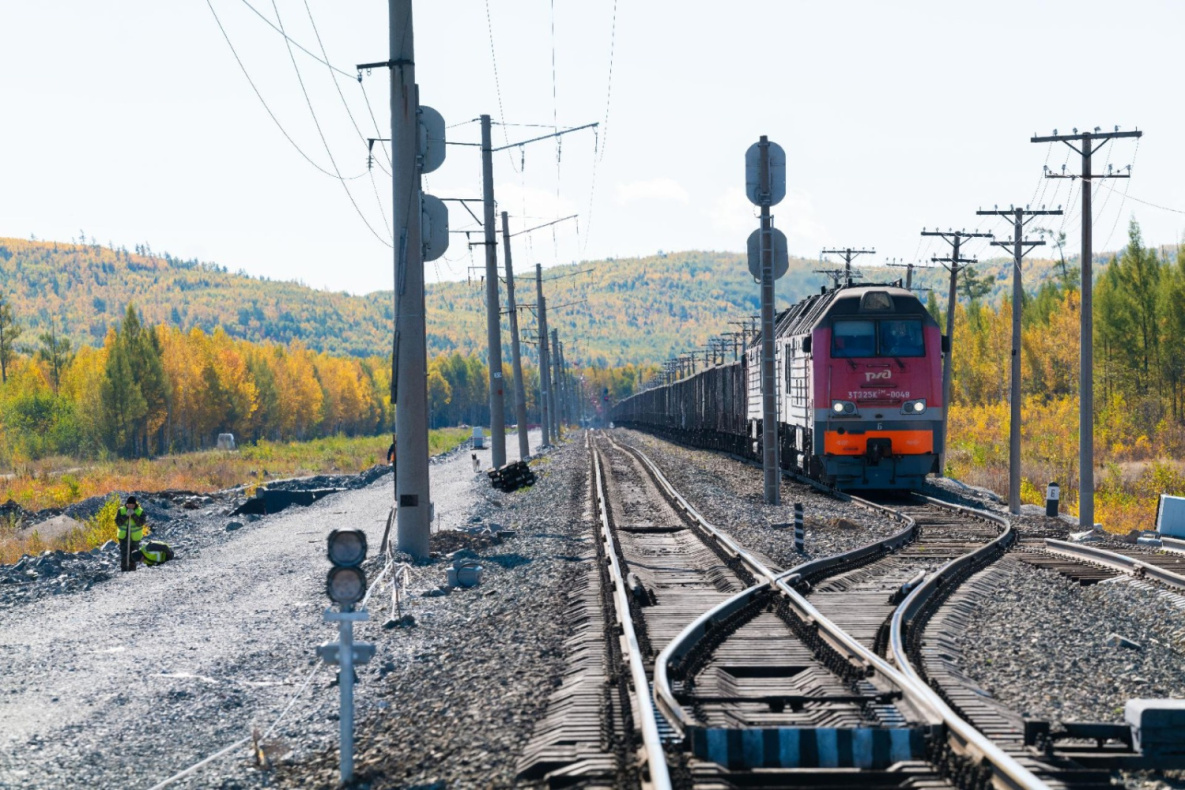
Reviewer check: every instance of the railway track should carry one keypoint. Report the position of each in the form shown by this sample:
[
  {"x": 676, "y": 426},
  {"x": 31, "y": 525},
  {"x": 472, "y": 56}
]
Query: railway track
[{"x": 755, "y": 685}]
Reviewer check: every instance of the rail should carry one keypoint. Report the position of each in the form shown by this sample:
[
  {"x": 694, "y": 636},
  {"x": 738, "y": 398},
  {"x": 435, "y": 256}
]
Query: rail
[
  {"x": 729, "y": 546},
  {"x": 656, "y": 762},
  {"x": 1006, "y": 771},
  {"x": 1119, "y": 562},
  {"x": 693, "y": 633},
  {"x": 1172, "y": 544}
]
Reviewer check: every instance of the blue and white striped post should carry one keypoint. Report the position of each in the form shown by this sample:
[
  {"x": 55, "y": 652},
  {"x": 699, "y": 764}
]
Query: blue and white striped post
[{"x": 799, "y": 530}]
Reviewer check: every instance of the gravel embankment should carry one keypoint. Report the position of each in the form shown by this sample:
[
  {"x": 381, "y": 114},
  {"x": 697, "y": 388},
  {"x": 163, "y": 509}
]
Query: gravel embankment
[
  {"x": 730, "y": 495},
  {"x": 143, "y": 674},
  {"x": 187, "y": 521},
  {"x": 1040, "y": 645},
  {"x": 464, "y": 686}
]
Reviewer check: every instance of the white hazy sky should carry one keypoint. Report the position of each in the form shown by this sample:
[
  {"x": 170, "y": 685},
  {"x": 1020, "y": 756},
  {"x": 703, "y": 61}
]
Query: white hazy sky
[{"x": 131, "y": 121}]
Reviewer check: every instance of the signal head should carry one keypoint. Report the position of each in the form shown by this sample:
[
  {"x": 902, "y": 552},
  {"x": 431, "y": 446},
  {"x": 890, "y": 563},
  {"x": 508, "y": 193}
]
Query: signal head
[
  {"x": 347, "y": 547},
  {"x": 345, "y": 586}
]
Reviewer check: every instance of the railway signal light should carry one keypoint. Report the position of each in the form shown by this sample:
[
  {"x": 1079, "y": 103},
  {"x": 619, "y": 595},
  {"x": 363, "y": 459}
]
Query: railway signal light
[
  {"x": 346, "y": 583},
  {"x": 346, "y": 586}
]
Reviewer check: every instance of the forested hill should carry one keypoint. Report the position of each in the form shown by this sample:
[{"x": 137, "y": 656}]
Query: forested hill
[
  {"x": 607, "y": 312},
  {"x": 88, "y": 287}
]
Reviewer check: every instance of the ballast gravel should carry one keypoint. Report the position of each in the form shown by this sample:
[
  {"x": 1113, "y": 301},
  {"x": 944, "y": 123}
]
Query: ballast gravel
[
  {"x": 1042, "y": 645},
  {"x": 730, "y": 494},
  {"x": 455, "y": 697},
  {"x": 144, "y": 674}
]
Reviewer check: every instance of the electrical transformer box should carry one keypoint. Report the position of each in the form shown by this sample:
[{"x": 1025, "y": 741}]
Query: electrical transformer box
[{"x": 1170, "y": 516}]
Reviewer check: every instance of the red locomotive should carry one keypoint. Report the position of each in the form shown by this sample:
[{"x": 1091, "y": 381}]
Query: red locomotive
[{"x": 859, "y": 396}]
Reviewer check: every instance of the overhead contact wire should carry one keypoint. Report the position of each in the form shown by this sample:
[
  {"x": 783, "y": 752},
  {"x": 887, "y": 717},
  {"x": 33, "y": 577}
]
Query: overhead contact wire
[
  {"x": 321, "y": 133},
  {"x": 601, "y": 144},
  {"x": 268, "y": 109},
  {"x": 336, "y": 84}
]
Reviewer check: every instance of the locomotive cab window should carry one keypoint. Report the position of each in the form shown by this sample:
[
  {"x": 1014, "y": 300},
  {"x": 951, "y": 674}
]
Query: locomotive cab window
[
  {"x": 884, "y": 338},
  {"x": 901, "y": 339},
  {"x": 853, "y": 339}
]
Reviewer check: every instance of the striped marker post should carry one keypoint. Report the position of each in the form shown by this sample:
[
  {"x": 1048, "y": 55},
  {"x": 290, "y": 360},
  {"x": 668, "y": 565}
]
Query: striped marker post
[{"x": 799, "y": 530}]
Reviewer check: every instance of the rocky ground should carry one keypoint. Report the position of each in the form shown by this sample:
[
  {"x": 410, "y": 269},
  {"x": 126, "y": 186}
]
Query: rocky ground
[
  {"x": 463, "y": 687},
  {"x": 122, "y": 680},
  {"x": 730, "y": 494},
  {"x": 1042, "y": 644},
  {"x": 185, "y": 520}
]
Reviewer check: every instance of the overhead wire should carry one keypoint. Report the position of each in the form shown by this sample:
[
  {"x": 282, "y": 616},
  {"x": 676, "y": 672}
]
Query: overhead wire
[
  {"x": 337, "y": 85},
  {"x": 321, "y": 133},
  {"x": 599, "y": 145},
  {"x": 498, "y": 82},
  {"x": 1123, "y": 202},
  {"x": 297, "y": 44},
  {"x": 336, "y": 174},
  {"x": 377, "y": 128},
  {"x": 1042, "y": 181},
  {"x": 555, "y": 121},
  {"x": 1150, "y": 203}
]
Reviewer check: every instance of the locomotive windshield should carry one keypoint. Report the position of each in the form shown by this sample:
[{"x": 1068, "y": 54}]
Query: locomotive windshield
[
  {"x": 853, "y": 339},
  {"x": 887, "y": 338},
  {"x": 902, "y": 338}
]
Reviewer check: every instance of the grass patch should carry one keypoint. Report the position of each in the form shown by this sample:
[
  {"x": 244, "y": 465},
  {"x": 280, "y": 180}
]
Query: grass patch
[{"x": 61, "y": 482}]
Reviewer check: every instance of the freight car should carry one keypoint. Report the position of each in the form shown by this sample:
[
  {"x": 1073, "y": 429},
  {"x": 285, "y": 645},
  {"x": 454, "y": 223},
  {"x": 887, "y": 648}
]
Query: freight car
[{"x": 859, "y": 400}]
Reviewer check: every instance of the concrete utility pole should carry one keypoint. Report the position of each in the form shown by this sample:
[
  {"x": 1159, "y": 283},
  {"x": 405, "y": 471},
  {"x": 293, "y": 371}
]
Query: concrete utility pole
[
  {"x": 1086, "y": 148},
  {"x": 544, "y": 363},
  {"x": 493, "y": 309},
  {"x": 953, "y": 263},
  {"x": 847, "y": 253},
  {"x": 1020, "y": 247},
  {"x": 493, "y": 314},
  {"x": 557, "y": 400},
  {"x": 520, "y": 394},
  {"x": 561, "y": 377},
  {"x": 411, "y": 355}
]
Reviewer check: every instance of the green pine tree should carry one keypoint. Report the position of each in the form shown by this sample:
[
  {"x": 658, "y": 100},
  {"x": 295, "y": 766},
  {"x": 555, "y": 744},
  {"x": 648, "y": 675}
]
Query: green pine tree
[{"x": 10, "y": 331}]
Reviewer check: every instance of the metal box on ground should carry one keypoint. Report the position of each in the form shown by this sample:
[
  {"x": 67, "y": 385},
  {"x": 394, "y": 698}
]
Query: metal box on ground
[
  {"x": 1170, "y": 516},
  {"x": 1158, "y": 726},
  {"x": 479, "y": 439}
]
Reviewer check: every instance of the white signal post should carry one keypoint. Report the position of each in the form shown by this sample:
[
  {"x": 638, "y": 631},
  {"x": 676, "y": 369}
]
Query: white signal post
[{"x": 346, "y": 586}]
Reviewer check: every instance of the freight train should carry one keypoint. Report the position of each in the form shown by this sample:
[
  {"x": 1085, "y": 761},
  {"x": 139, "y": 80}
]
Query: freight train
[{"x": 859, "y": 400}]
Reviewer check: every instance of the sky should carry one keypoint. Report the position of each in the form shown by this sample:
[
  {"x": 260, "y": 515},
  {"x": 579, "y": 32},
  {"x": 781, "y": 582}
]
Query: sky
[{"x": 133, "y": 121}]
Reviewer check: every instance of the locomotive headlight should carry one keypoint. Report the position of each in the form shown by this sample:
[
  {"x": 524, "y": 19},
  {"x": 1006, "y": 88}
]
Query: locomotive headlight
[
  {"x": 843, "y": 407},
  {"x": 914, "y": 406}
]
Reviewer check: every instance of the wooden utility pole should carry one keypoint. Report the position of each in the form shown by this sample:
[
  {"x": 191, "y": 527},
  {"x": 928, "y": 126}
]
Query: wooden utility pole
[
  {"x": 1086, "y": 144},
  {"x": 1020, "y": 247},
  {"x": 847, "y": 253},
  {"x": 953, "y": 264}
]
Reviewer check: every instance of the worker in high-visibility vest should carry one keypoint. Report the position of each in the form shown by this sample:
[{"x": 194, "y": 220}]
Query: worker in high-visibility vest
[{"x": 129, "y": 525}]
